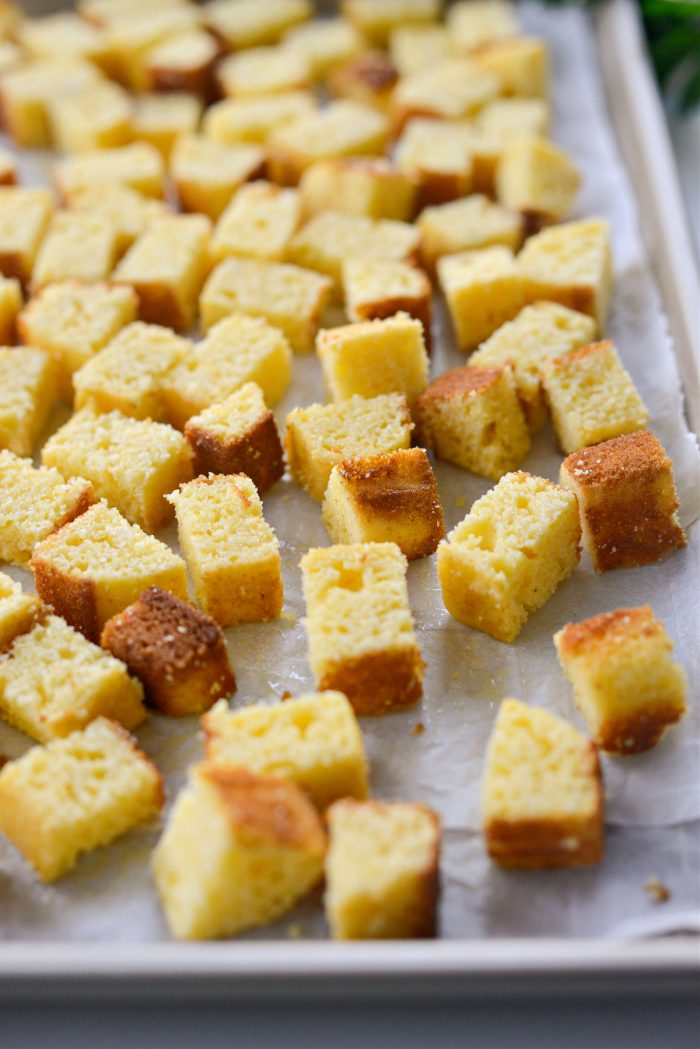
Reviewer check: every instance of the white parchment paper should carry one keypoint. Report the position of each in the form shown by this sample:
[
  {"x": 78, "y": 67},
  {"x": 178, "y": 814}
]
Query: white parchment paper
[{"x": 653, "y": 804}]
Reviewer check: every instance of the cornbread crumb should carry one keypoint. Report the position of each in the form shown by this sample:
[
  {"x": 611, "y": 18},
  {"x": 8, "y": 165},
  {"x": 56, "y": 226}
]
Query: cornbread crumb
[
  {"x": 137, "y": 165},
  {"x": 467, "y": 225},
  {"x": 538, "y": 180},
  {"x": 25, "y": 215},
  {"x": 18, "y": 611},
  {"x": 79, "y": 245},
  {"x": 207, "y": 173},
  {"x": 484, "y": 289},
  {"x": 377, "y": 288},
  {"x": 259, "y": 222},
  {"x": 370, "y": 186},
  {"x": 656, "y": 890},
  {"x": 27, "y": 395},
  {"x": 418, "y": 729}
]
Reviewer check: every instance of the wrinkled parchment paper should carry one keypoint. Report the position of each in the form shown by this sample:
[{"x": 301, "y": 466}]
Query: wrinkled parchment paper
[{"x": 653, "y": 800}]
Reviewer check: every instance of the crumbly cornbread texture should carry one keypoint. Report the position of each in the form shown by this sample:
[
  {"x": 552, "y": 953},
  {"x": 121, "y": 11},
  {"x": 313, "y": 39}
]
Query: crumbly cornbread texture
[
  {"x": 259, "y": 222},
  {"x": 18, "y": 611},
  {"x": 79, "y": 245},
  {"x": 28, "y": 392},
  {"x": 377, "y": 288},
  {"x": 483, "y": 289}
]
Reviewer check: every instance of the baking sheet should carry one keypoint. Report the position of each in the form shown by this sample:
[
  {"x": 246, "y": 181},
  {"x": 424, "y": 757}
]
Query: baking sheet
[{"x": 653, "y": 799}]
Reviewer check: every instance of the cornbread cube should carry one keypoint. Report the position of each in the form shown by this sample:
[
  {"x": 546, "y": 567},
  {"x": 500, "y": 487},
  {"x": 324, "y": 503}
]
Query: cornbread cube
[
  {"x": 132, "y": 463},
  {"x": 236, "y": 120},
  {"x": 98, "y": 117},
  {"x": 520, "y": 64},
  {"x": 509, "y": 554},
  {"x": 373, "y": 357},
  {"x": 138, "y": 165},
  {"x": 467, "y": 225},
  {"x": 627, "y": 500},
  {"x": 34, "y": 503},
  {"x": 369, "y": 186},
  {"x": 207, "y": 173},
  {"x": 473, "y": 23},
  {"x": 128, "y": 211},
  {"x": 135, "y": 34},
  {"x": 262, "y": 852},
  {"x": 538, "y": 180},
  {"x": 376, "y": 19},
  {"x": 369, "y": 77},
  {"x": 359, "y": 625},
  {"x": 259, "y": 222},
  {"x": 67, "y": 35},
  {"x": 374, "y": 289},
  {"x": 79, "y": 245},
  {"x": 542, "y": 792},
  {"x": 437, "y": 155},
  {"x": 342, "y": 129},
  {"x": 167, "y": 267},
  {"x": 26, "y": 92},
  {"x": 288, "y": 297},
  {"x": 483, "y": 289},
  {"x": 627, "y": 685},
  {"x": 332, "y": 236},
  {"x": 591, "y": 396},
  {"x": 570, "y": 264},
  {"x": 472, "y": 417},
  {"x": 252, "y": 23},
  {"x": 103, "y": 12},
  {"x": 324, "y": 44},
  {"x": 497, "y": 127},
  {"x": 18, "y": 611},
  {"x": 413, "y": 47},
  {"x": 27, "y": 395},
  {"x": 8, "y": 165},
  {"x": 314, "y": 740},
  {"x": 237, "y": 435},
  {"x": 54, "y": 682},
  {"x": 382, "y": 870},
  {"x": 177, "y": 652},
  {"x": 263, "y": 71},
  {"x": 75, "y": 794},
  {"x": 128, "y": 374},
  {"x": 450, "y": 90},
  {"x": 184, "y": 62},
  {"x": 10, "y": 306},
  {"x": 237, "y": 350},
  {"x": 25, "y": 215},
  {"x": 320, "y": 436},
  {"x": 230, "y": 549},
  {"x": 538, "y": 334},
  {"x": 72, "y": 321},
  {"x": 93, "y": 567},
  {"x": 161, "y": 119},
  {"x": 390, "y": 497}
]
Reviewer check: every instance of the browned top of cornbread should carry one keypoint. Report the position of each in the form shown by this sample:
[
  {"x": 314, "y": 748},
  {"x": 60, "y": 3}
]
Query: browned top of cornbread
[
  {"x": 608, "y": 628},
  {"x": 636, "y": 456},
  {"x": 576, "y": 355},
  {"x": 392, "y": 482},
  {"x": 374, "y": 70},
  {"x": 461, "y": 381}
]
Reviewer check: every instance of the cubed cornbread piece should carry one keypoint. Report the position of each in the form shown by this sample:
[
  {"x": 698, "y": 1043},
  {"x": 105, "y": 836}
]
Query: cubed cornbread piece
[
  {"x": 167, "y": 267},
  {"x": 18, "y": 611},
  {"x": 627, "y": 685},
  {"x": 509, "y": 554},
  {"x": 570, "y": 264},
  {"x": 390, "y": 497},
  {"x": 128, "y": 211},
  {"x": 325, "y": 44},
  {"x": 102, "y": 12},
  {"x": 252, "y": 23},
  {"x": 369, "y": 77},
  {"x": 259, "y": 222},
  {"x": 26, "y": 92},
  {"x": 382, "y": 870},
  {"x": 207, "y": 173},
  {"x": 177, "y": 652},
  {"x": 288, "y": 297},
  {"x": 370, "y": 186},
  {"x": 498, "y": 126},
  {"x": 184, "y": 63},
  {"x": 412, "y": 47},
  {"x": 483, "y": 289},
  {"x": 627, "y": 500},
  {"x": 332, "y": 236},
  {"x": 8, "y": 163},
  {"x": 128, "y": 374},
  {"x": 230, "y": 549},
  {"x": 76, "y": 794},
  {"x": 320, "y": 436},
  {"x": 437, "y": 155},
  {"x": 341, "y": 129},
  {"x": 376, "y": 19},
  {"x": 138, "y": 165},
  {"x": 449, "y": 90},
  {"x": 237, "y": 350},
  {"x": 235, "y": 120},
  {"x": 71, "y": 321},
  {"x": 27, "y": 395},
  {"x": 67, "y": 35},
  {"x": 378, "y": 288},
  {"x": 132, "y": 463},
  {"x": 263, "y": 71},
  {"x": 538, "y": 180},
  {"x": 537, "y": 335},
  {"x": 162, "y": 118},
  {"x": 34, "y": 503},
  {"x": 467, "y": 225},
  {"x": 133, "y": 35},
  {"x": 98, "y": 117},
  {"x": 79, "y": 245},
  {"x": 473, "y": 23},
  {"x": 542, "y": 792},
  {"x": 239, "y": 850},
  {"x": 359, "y": 625},
  {"x": 93, "y": 567},
  {"x": 591, "y": 397},
  {"x": 54, "y": 682},
  {"x": 237, "y": 435},
  {"x": 10, "y": 306},
  {"x": 472, "y": 417},
  {"x": 520, "y": 64},
  {"x": 313, "y": 740},
  {"x": 373, "y": 357},
  {"x": 25, "y": 215}
]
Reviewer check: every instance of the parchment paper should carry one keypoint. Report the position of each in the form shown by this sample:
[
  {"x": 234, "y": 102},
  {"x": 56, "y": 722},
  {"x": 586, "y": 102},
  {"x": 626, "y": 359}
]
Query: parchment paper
[{"x": 653, "y": 801}]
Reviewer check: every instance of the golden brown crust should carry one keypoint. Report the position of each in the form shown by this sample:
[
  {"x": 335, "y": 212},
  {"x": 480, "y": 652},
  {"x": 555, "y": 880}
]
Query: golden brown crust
[
  {"x": 637, "y": 456},
  {"x": 8, "y": 178},
  {"x": 12, "y": 265},
  {"x": 257, "y": 452},
  {"x": 418, "y": 306},
  {"x": 73, "y": 598},
  {"x": 581, "y": 353},
  {"x": 371, "y": 74},
  {"x": 638, "y": 731},
  {"x": 197, "y": 80},
  {"x": 608, "y": 628},
  {"x": 85, "y": 500},
  {"x": 379, "y": 682},
  {"x": 460, "y": 382}
]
